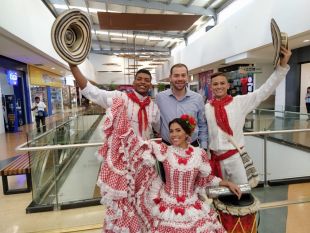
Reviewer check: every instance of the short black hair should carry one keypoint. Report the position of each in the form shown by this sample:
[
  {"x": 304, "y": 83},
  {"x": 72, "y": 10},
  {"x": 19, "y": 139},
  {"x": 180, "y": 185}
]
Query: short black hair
[
  {"x": 219, "y": 74},
  {"x": 183, "y": 124},
  {"x": 37, "y": 97},
  {"x": 143, "y": 71},
  {"x": 178, "y": 65}
]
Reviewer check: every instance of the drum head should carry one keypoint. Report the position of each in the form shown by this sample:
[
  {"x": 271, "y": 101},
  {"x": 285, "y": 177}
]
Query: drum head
[{"x": 246, "y": 199}]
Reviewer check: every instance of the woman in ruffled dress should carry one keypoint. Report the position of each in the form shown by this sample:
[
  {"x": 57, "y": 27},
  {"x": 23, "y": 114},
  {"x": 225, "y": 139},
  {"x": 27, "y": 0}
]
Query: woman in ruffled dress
[{"x": 130, "y": 184}]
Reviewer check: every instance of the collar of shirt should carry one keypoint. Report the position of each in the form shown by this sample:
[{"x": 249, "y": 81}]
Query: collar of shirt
[
  {"x": 141, "y": 97},
  {"x": 187, "y": 93}
]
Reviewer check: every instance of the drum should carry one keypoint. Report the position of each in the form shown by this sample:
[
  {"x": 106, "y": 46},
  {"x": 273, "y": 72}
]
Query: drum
[{"x": 238, "y": 216}]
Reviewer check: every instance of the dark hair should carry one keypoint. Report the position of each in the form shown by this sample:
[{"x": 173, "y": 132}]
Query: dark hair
[
  {"x": 143, "y": 71},
  {"x": 178, "y": 65},
  {"x": 219, "y": 74},
  {"x": 183, "y": 125},
  {"x": 37, "y": 97}
]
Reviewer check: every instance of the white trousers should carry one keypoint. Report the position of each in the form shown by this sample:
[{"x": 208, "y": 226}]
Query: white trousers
[{"x": 233, "y": 169}]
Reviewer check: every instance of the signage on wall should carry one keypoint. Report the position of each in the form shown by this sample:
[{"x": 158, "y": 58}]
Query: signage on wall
[
  {"x": 12, "y": 78},
  {"x": 249, "y": 69},
  {"x": 250, "y": 84}
]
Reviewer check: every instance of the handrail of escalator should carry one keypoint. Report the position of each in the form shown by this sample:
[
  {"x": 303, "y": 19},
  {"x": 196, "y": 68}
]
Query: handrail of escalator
[
  {"x": 49, "y": 131},
  {"x": 93, "y": 144}
]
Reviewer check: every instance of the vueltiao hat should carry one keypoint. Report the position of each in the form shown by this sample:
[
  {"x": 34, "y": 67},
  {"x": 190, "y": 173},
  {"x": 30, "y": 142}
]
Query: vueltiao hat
[
  {"x": 71, "y": 36},
  {"x": 278, "y": 39}
]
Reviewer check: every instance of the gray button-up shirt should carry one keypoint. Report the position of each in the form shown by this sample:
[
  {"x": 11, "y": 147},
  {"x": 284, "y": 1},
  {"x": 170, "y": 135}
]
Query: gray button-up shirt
[{"x": 191, "y": 104}]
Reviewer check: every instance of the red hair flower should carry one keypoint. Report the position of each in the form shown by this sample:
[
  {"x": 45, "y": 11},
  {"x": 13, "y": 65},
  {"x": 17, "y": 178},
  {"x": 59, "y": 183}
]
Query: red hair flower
[
  {"x": 189, "y": 120},
  {"x": 184, "y": 117}
]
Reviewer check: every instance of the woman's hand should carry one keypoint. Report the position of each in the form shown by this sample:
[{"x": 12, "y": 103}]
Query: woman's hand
[{"x": 232, "y": 187}]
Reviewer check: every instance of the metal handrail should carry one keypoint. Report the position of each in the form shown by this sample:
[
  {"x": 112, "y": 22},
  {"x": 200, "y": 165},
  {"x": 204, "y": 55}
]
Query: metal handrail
[
  {"x": 281, "y": 111},
  {"x": 49, "y": 131},
  {"x": 23, "y": 147}
]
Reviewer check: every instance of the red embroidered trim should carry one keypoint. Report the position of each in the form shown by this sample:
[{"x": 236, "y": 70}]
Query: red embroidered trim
[
  {"x": 180, "y": 198},
  {"x": 157, "y": 200},
  {"x": 162, "y": 208},
  {"x": 182, "y": 161},
  {"x": 179, "y": 210}
]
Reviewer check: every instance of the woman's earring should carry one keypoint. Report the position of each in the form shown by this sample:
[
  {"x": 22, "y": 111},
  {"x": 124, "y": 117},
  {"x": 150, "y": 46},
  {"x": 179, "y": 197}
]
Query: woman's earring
[{"x": 188, "y": 139}]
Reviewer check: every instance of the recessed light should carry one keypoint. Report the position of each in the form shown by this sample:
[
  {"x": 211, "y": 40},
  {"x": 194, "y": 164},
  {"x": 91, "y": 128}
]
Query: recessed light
[
  {"x": 305, "y": 41},
  {"x": 120, "y": 38},
  {"x": 53, "y": 68}
]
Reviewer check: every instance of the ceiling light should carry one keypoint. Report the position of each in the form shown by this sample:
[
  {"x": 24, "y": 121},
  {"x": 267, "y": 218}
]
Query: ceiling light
[
  {"x": 61, "y": 6},
  {"x": 305, "y": 41},
  {"x": 115, "y": 34},
  {"x": 155, "y": 38},
  {"x": 142, "y": 37},
  {"x": 128, "y": 35},
  {"x": 102, "y": 32},
  {"x": 118, "y": 38}
]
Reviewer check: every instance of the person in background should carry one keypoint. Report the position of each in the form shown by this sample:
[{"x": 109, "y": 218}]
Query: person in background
[
  {"x": 180, "y": 100},
  {"x": 226, "y": 117},
  {"x": 307, "y": 100},
  {"x": 40, "y": 110}
]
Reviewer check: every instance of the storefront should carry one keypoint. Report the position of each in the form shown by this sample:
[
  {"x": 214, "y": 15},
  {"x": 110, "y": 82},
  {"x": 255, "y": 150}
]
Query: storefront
[
  {"x": 240, "y": 78},
  {"x": 69, "y": 93},
  {"x": 48, "y": 86},
  {"x": 15, "y": 105}
]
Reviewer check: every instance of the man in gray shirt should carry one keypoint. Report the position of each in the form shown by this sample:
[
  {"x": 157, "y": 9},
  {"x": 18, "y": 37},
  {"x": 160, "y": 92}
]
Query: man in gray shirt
[{"x": 180, "y": 100}]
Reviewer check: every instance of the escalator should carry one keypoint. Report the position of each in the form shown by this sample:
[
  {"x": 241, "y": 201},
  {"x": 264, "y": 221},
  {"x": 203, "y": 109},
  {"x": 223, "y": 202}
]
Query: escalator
[{"x": 52, "y": 169}]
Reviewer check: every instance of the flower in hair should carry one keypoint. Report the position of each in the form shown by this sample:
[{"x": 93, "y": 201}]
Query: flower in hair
[{"x": 189, "y": 120}]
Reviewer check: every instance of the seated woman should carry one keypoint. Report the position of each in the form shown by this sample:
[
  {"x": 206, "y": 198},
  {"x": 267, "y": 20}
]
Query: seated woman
[{"x": 136, "y": 198}]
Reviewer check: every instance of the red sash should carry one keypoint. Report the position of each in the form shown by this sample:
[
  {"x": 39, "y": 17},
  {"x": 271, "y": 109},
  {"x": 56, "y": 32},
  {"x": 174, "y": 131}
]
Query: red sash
[
  {"x": 215, "y": 161},
  {"x": 142, "y": 114}
]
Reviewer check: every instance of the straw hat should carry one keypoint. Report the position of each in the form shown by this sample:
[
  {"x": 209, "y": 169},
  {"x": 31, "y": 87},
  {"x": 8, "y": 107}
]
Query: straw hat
[
  {"x": 71, "y": 36},
  {"x": 278, "y": 39}
]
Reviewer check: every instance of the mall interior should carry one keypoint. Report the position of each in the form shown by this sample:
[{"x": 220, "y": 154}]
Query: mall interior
[{"x": 58, "y": 192}]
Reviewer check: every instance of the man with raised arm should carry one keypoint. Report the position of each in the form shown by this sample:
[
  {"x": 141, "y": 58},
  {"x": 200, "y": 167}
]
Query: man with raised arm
[
  {"x": 226, "y": 117},
  {"x": 143, "y": 113}
]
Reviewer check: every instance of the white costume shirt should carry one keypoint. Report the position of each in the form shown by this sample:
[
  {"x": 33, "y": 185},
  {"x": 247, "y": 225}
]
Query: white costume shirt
[
  {"x": 104, "y": 99},
  {"x": 237, "y": 111},
  {"x": 40, "y": 107}
]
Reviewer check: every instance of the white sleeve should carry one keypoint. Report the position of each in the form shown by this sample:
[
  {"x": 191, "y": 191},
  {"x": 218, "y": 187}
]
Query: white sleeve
[
  {"x": 99, "y": 96},
  {"x": 250, "y": 101},
  {"x": 156, "y": 123}
]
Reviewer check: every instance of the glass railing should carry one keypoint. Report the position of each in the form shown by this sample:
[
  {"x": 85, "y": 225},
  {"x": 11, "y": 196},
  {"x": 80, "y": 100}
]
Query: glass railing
[
  {"x": 71, "y": 169},
  {"x": 51, "y": 168},
  {"x": 271, "y": 120}
]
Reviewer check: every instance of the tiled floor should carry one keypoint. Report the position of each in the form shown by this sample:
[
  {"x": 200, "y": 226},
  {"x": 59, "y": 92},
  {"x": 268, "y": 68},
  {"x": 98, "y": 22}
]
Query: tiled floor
[
  {"x": 286, "y": 209},
  {"x": 15, "y": 220}
]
